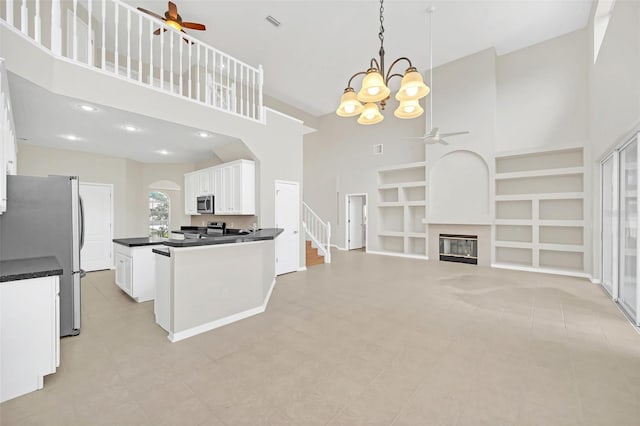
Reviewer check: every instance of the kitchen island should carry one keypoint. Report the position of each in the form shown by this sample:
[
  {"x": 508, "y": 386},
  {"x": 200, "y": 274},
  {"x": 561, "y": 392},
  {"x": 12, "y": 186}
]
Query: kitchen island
[
  {"x": 205, "y": 283},
  {"x": 135, "y": 269}
]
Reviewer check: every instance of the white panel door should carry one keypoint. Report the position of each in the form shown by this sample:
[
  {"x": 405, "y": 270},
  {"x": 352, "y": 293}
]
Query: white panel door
[
  {"x": 628, "y": 272},
  {"x": 356, "y": 222},
  {"x": 609, "y": 225},
  {"x": 96, "y": 254},
  {"x": 287, "y": 218}
]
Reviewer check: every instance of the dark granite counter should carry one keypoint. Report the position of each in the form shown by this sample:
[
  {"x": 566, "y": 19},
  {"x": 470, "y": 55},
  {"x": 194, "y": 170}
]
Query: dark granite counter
[
  {"x": 260, "y": 235},
  {"x": 33, "y": 267},
  {"x": 139, "y": 241}
]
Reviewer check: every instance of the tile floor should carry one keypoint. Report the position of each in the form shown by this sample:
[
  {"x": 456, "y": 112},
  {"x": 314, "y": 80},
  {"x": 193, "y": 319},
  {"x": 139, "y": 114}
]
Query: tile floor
[{"x": 366, "y": 340}]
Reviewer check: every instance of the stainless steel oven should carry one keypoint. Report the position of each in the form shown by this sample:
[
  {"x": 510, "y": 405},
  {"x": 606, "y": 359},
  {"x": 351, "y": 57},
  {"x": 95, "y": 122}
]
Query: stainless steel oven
[{"x": 206, "y": 204}]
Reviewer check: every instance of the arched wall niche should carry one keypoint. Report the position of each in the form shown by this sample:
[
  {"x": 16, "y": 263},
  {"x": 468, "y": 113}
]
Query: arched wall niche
[{"x": 459, "y": 188}]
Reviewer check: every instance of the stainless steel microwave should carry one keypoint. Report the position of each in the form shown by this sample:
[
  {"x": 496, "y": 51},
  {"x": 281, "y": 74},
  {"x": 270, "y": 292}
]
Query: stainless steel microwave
[{"x": 206, "y": 204}]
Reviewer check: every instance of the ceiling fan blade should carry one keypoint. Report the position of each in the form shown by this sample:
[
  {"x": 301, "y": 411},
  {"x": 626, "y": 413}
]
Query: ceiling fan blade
[
  {"x": 415, "y": 137},
  {"x": 443, "y": 142},
  {"x": 157, "y": 32},
  {"x": 148, "y": 12},
  {"x": 194, "y": 26},
  {"x": 173, "y": 11},
  {"x": 453, "y": 134},
  {"x": 433, "y": 132}
]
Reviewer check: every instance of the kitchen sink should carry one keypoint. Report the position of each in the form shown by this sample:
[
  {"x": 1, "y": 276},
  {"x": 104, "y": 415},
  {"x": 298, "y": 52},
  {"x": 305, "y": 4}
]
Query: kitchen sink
[{"x": 231, "y": 231}]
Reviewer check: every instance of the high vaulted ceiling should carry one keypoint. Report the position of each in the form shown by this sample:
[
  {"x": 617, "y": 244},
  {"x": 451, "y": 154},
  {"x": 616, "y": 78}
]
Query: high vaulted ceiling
[{"x": 320, "y": 44}]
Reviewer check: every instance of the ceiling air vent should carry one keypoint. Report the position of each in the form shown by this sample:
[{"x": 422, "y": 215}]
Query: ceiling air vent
[
  {"x": 377, "y": 149},
  {"x": 273, "y": 21}
]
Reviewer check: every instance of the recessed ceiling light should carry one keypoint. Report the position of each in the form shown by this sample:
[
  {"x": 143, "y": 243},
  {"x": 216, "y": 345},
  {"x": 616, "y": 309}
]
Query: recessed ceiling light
[
  {"x": 163, "y": 152},
  {"x": 87, "y": 108},
  {"x": 71, "y": 137},
  {"x": 203, "y": 134},
  {"x": 130, "y": 128}
]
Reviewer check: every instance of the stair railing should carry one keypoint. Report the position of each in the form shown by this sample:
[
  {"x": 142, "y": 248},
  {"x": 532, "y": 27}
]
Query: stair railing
[
  {"x": 115, "y": 38},
  {"x": 318, "y": 231}
]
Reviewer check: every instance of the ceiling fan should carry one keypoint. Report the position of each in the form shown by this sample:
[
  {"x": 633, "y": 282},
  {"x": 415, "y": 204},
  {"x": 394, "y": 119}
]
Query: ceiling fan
[
  {"x": 433, "y": 136},
  {"x": 174, "y": 20}
]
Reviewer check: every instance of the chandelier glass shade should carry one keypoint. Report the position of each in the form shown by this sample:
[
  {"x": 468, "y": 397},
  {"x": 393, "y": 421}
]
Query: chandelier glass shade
[
  {"x": 375, "y": 89},
  {"x": 349, "y": 104},
  {"x": 370, "y": 114}
]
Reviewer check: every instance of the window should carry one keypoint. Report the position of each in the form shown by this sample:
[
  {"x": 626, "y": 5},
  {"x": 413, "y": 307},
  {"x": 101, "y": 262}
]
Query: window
[
  {"x": 159, "y": 208},
  {"x": 601, "y": 19}
]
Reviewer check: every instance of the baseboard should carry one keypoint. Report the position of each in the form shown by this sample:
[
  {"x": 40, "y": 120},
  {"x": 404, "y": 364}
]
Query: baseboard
[
  {"x": 301, "y": 269},
  {"x": 407, "y": 256},
  {"x": 338, "y": 247},
  {"x": 181, "y": 335},
  {"x": 542, "y": 270},
  {"x": 595, "y": 280}
]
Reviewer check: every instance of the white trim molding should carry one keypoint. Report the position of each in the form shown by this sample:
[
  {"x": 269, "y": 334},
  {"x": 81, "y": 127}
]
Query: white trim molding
[{"x": 407, "y": 256}]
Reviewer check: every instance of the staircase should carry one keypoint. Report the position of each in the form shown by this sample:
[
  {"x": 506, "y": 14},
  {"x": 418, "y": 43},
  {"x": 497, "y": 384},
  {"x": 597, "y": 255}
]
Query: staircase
[
  {"x": 318, "y": 235},
  {"x": 313, "y": 258}
]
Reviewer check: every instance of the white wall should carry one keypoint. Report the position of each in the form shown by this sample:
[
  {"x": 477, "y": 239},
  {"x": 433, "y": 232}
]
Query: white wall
[
  {"x": 614, "y": 87},
  {"x": 543, "y": 96},
  {"x": 526, "y": 100},
  {"x": 130, "y": 181},
  {"x": 460, "y": 173},
  {"x": 339, "y": 160}
]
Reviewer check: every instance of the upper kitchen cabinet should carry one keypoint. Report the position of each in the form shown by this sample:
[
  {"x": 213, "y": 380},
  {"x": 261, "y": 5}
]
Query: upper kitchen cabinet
[
  {"x": 191, "y": 187},
  {"x": 233, "y": 185},
  {"x": 7, "y": 138}
]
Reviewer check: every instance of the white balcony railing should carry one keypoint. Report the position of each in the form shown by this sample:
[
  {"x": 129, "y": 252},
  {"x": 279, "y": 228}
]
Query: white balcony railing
[
  {"x": 318, "y": 231},
  {"x": 116, "y": 38}
]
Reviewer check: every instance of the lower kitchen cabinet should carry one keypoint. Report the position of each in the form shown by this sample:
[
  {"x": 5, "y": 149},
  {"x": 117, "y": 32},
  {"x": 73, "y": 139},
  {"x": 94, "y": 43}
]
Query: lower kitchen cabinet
[
  {"x": 29, "y": 334},
  {"x": 135, "y": 271}
]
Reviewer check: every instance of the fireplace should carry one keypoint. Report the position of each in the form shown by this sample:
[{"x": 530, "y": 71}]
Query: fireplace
[{"x": 459, "y": 248}]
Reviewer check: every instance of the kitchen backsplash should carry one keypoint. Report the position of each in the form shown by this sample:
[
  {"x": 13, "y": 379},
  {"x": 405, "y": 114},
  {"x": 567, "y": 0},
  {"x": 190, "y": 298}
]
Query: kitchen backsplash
[{"x": 242, "y": 222}]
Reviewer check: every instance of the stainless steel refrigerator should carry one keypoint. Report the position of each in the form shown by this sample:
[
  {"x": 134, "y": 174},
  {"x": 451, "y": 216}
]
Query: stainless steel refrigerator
[{"x": 44, "y": 217}]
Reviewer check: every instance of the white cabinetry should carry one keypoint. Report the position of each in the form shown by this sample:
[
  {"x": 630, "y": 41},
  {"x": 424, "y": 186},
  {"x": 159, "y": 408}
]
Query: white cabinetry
[
  {"x": 7, "y": 138},
  {"x": 29, "y": 334},
  {"x": 135, "y": 271},
  {"x": 232, "y": 184},
  {"x": 191, "y": 188}
]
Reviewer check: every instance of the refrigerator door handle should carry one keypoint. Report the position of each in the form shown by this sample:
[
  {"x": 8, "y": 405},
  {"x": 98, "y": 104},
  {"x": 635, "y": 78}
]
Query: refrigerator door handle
[{"x": 81, "y": 222}]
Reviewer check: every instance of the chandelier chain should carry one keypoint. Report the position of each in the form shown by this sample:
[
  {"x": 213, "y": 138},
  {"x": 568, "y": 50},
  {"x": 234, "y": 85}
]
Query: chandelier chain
[{"x": 381, "y": 33}]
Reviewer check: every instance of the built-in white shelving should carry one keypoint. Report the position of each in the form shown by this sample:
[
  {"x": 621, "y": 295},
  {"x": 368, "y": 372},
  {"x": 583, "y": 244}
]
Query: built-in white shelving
[
  {"x": 402, "y": 195},
  {"x": 539, "y": 208}
]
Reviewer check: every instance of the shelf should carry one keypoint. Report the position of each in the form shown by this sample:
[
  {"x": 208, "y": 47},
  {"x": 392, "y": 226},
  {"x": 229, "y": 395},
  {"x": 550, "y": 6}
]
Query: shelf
[
  {"x": 542, "y": 196},
  {"x": 534, "y": 185},
  {"x": 403, "y": 166},
  {"x": 416, "y": 235},
  {"x": 402, "y": 185},
  {"x": 540, "y": 160},
  {"x": 561, "y": 247},
  {"x": 559, "y": 223},
  {"x": 540, "y": 173},
  {"x": 391, "y": 234},
  {"x": 391, "y": 204},
  {"x": 514, "y": 222},
  {"x": 514, "y": 244},
  {"x": 422, "y": 203}
]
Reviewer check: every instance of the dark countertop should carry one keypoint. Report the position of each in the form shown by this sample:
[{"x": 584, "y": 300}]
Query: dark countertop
[
  {"x": 32, "y": 267},
  {"x": 139, "y": 241},
  {"x": 261, "y": 235},
  {"x": 162, "y": 251}
]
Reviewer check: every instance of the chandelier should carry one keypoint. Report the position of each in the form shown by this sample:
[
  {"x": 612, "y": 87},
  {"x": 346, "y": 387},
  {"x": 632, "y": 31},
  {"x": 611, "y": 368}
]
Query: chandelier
[{"x": 375, "y": 89}]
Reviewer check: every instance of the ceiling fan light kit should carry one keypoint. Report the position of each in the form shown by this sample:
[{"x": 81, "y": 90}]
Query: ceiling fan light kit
[
  {"x": 174, "y": 20},
  {"x": 375, "y": 89}
]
